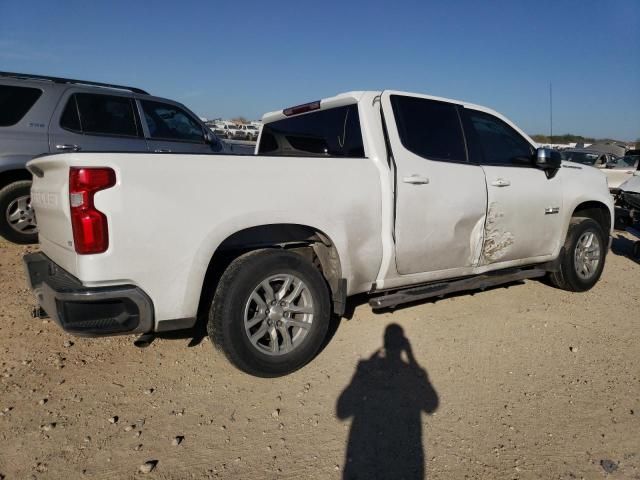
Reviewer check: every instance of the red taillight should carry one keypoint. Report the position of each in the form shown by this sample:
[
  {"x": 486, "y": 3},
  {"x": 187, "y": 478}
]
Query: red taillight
[
  {"x": 307, "y": 107},
  {"x": 90, "y": 230}
]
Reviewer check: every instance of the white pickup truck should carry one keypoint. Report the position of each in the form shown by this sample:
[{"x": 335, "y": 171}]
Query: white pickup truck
[{"x": 400, "y": 195}]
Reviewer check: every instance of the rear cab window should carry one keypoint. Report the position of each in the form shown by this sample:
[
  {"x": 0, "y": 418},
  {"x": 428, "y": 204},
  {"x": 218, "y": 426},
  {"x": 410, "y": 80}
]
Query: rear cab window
[
  {"x": 15, "y": 102},
  {"x": 334, "y": 132},
  {"x": 97, "y": 114},
  {"x": 429, "y": 128}
]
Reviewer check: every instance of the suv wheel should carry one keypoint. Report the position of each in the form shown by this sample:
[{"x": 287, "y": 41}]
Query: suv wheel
[
  {"x": 17, "y": 218},
  {"x": 583, "y": 261},
  {"x": 270, "y": 312}
]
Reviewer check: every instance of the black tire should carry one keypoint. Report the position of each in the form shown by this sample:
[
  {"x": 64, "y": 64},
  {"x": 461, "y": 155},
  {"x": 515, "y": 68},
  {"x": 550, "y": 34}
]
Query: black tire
[
  {"x": 567, "y": 277},
  {"x": 636, "y": 249},
  {"x": 8, "y": 195},
  {"x": 226, "y": 325}
]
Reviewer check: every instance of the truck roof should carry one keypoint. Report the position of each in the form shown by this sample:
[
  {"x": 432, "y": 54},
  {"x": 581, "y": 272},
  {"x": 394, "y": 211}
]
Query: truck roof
[{"x": 348, "y": 98}]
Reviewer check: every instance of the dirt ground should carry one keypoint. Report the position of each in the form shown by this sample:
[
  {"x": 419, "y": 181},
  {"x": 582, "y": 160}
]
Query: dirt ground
[{"x": 515, "y": 383}]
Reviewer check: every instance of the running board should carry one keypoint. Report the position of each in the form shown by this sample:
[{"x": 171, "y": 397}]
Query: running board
[{"x": 478, "y": 282}]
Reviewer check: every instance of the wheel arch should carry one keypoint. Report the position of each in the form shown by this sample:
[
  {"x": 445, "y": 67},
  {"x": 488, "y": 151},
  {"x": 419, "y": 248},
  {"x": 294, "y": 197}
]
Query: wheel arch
[
  {"x": 15, "y": 175},
  {"x": 307, "y": 241},
  {"x": 597, "y": 211}
]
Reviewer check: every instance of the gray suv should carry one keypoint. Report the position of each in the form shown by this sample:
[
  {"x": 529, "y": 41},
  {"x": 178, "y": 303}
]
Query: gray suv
[{"x": 41, "y": 114}]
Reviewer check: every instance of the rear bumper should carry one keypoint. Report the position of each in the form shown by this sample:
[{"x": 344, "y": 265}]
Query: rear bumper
[{"x": 87, "y": 311}]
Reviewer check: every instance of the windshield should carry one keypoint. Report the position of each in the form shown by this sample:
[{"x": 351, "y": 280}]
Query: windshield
[
  {"x": 584, "y": 158},
  {"x": 628, "y": 161}
]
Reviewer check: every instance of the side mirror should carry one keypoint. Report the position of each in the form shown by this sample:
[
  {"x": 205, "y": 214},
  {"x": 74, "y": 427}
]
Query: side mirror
[
  {"x": 211, "y": 139},
  {"x": 548, "y": 159}
]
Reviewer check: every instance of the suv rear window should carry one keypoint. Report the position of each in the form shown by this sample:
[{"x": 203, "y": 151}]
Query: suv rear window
[
  {"x": 429, "y": 128},
  {"x": 332, "y": 133},
  {"x": 100, "y": 114},
  {"x": 15, "y": 102}
]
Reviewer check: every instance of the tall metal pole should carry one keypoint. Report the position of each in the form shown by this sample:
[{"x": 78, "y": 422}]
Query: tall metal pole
[{"x": 550, "y": 113}]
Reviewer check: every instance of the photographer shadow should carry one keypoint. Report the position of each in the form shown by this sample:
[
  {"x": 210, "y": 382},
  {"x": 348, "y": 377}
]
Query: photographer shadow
[{"x": 385, "y": 399}]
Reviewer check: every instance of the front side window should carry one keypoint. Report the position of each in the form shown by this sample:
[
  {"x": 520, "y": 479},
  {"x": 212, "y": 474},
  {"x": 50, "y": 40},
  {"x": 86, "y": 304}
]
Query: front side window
[
  {"x": 334, "y": 132},
  {"x": 15, "y": 102},
  {"x": 499, "y": 143},
  {"x": 429, "y": 128},
  {"x": 168, "y": 122}
]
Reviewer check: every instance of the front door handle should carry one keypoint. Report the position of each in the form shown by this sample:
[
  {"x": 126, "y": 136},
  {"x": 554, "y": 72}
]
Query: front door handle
[
  {"x": 416, "y": 180},
  {"x": 68, "y": 147},
  {"x": 501, "y": 182}
]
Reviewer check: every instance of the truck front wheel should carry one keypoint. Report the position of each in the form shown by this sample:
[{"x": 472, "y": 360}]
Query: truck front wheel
[
  {"x": 584, "y": 252},
  {"x": 17, "y": 218},
  {"x": 270, "y": 312}
]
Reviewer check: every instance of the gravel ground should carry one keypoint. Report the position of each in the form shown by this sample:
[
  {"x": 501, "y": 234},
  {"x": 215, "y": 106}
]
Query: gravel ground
[{"x": 516, "y": 383}]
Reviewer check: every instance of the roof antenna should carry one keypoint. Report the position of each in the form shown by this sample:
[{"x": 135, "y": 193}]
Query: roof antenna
[{"x": 550, "y": 113}]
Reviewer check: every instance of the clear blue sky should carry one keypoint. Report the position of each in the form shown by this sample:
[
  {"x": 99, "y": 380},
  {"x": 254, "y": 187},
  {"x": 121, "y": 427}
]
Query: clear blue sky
[{"x": 243, "y": 57}]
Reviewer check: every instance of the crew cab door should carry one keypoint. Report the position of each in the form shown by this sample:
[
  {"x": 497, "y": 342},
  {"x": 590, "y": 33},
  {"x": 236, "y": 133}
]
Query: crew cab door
[
  {"x": 524, "y": 210},
  {"x": 95, "y": 122},
  {"x": 441, "y": 198}
]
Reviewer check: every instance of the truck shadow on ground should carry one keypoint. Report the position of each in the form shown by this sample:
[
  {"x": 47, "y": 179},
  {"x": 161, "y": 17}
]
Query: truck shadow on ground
[
  {"x": 623, "y": 246},
  {"x": 385, "y": 401}
]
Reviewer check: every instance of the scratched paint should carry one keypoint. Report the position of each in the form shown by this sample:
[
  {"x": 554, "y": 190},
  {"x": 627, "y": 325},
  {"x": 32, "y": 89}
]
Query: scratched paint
[
  {"x": 476, "y": 241},
  {"x": 496, "y": 240}
]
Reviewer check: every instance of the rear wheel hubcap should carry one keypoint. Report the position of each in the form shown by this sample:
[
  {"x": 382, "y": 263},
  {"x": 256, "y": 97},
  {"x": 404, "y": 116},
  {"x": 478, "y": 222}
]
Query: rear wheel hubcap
[
  {"x": 278, "y": 314},
  {"x": 20, "y": 215}
]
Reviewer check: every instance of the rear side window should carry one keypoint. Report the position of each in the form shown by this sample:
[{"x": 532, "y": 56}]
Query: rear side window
[
  {"x": 327, "y": 133},
  {"x": 429, "y": 128},
  {"x": 100, "y": 115},
  {"x": 168, "y": 122},
  {"x": 15, "y": 102},
  {"x": 70, "y": 118}
]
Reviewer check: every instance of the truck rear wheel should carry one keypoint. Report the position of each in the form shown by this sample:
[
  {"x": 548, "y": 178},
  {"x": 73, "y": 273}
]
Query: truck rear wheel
[
  {"x": 270, "y": 312},
  {"x": 583, "y": 260},
  {"x": 17, "y": 218}
]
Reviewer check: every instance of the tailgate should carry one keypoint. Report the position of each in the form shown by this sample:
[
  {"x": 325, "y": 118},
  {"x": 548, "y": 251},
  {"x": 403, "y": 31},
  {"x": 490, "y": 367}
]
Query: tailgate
[{"x": 50, "y": 200}]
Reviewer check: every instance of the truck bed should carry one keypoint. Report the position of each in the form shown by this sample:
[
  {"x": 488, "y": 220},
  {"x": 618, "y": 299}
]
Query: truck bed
[{"x": 168, "y": 213}]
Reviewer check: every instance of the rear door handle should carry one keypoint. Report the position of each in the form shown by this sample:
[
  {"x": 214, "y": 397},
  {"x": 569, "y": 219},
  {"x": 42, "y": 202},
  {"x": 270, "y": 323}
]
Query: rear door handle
[
  {"x": 416, "y": 180},
  {"x": 501, "y": 182},
  {"x": 68, "y": 147}
]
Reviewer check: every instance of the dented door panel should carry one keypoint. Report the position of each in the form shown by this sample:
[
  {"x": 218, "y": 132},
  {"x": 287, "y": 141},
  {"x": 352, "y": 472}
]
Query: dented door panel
[
  {"x": 524, "y": 218},
  {"x": 440, "y": 204}
]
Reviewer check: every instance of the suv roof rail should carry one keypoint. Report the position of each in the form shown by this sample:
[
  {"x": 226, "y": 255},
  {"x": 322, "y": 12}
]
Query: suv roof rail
[{"x": 29, "y": 76}]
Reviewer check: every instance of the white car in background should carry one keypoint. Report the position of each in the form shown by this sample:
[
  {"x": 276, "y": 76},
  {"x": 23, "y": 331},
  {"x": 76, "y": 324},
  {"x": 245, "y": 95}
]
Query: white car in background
[
  {"x": 252, "y": 132},
  {"x": 220, "y": 130},
  {"x": 621, "y": 169},
  {"x": 236, "y": 132}
]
